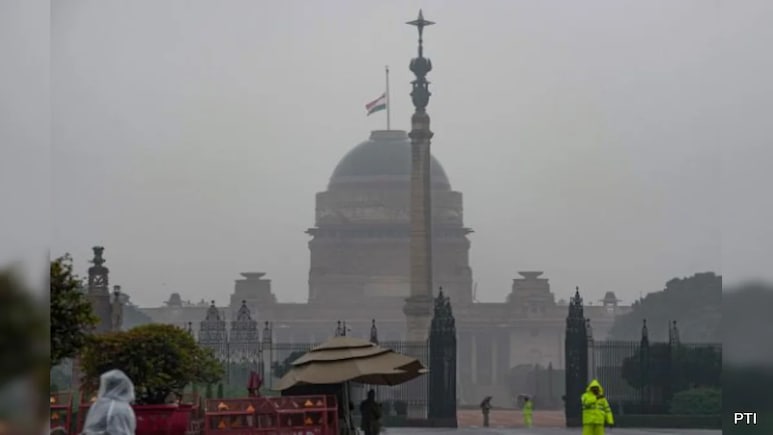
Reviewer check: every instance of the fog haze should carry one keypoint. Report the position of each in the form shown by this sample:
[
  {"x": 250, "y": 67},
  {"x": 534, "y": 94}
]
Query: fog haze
[{"x": 189, "y": 138}]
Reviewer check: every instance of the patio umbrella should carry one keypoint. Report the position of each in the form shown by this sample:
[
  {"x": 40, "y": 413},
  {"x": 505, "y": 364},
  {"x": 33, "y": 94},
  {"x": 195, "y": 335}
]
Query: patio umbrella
[{"x": 347, "y": 359}]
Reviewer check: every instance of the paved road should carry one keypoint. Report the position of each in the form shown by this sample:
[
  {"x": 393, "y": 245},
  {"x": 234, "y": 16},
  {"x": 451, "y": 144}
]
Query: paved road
[{"x": 546, "y": 431}]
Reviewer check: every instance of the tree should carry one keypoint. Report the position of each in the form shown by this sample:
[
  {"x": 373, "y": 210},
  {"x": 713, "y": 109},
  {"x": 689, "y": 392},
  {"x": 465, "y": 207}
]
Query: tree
[
  {"x": 657, "y": 364},
  {"x": 280, "y": 369},
  {"x": 159, "y": 359},
  {"x": 694, "y": 302},
  {"x": 677, "y": 369},
  {"x": 72, "y": 317}
]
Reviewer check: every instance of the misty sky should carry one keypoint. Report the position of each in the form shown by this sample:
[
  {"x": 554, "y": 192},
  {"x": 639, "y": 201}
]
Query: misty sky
[{"x": 189, "y": 137}]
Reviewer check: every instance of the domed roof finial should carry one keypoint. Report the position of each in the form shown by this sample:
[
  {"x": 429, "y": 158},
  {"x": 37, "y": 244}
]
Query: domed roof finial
[
  {"x": 420, "y": 67},
  {"x": 420, "y": 23}
]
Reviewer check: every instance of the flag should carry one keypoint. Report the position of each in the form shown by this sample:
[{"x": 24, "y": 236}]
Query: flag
[{"x": 377, "y": 104}]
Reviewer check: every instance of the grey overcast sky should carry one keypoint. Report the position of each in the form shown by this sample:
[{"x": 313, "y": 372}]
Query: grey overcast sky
[{"x": 189, "y": 137}]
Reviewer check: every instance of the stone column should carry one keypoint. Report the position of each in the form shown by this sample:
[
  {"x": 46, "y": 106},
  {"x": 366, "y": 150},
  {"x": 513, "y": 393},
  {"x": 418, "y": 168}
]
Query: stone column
[{"x": 418, "y": 305}]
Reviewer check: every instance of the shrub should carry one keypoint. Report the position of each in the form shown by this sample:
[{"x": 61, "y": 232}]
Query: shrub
[
  {"x": 159, "y": 359},
  {"x": 697, "y": 401}
]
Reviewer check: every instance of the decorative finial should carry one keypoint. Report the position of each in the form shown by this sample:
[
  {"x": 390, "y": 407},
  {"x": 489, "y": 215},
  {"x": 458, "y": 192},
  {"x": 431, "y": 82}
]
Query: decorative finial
[
  {"x": 420, "y": 66},
  {"x": 98, "y": 260},
  {"x": 420, "y": 23},
  {"x": 373, "y": 332}
]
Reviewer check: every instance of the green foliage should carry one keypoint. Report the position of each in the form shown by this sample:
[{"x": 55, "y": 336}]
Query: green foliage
[
  {"x": 697, "y": 367},
  {"x": 279, "y": 369},
  {"x": 23, "y": 330},
  {"x": 159, "y": 359},
  {"x": 695, "y": 303},
  {"x": 697, "y": 401},
  {"x": 72, "y": 318},
  {"x": 219, "y": 391},
  {"x": 208, "y": 394},
  {"x": 686, "y": 367}
]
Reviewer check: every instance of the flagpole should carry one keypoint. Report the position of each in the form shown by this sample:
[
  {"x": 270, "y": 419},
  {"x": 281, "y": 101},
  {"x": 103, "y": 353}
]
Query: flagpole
[{"x": 388, "y": 103}]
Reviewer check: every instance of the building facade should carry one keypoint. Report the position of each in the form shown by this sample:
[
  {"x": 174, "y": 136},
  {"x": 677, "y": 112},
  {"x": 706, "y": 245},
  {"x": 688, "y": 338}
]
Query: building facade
[{"x": 359, "y": 247}]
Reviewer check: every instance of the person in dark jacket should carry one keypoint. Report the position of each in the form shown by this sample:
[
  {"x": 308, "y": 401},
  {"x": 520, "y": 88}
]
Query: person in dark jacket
[
  {"x": 485, "y": 408},
  {"x": 370, "y": 414}
]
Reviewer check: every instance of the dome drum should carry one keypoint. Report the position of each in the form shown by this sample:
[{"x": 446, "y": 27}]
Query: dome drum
[{"x": 365, "y": 206}]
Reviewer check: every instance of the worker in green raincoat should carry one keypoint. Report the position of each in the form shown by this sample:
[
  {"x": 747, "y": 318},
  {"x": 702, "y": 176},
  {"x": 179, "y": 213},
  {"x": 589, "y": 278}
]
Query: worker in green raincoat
[
  {"x": 527, "y": 410},
  {"x": 595, "y": 410}
]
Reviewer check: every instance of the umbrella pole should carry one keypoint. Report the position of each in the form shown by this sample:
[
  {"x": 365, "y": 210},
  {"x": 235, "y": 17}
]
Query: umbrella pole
[
  {"x": 344, "y": 410},
  {"x": 348, "y": 420}
]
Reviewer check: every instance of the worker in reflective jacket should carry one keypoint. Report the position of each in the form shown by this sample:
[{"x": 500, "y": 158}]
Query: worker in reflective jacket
[
  {"x": 528, "y": 411},
  {"x": 595, "y": 410}
]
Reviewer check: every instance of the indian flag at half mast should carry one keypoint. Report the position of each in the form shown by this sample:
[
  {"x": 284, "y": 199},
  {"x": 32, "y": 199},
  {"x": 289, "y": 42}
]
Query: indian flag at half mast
[{"x": 377, "y": 105}]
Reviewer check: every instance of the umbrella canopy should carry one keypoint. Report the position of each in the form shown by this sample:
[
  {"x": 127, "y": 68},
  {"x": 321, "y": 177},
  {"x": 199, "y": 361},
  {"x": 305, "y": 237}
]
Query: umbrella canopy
[{"x": 344, "y": 359}]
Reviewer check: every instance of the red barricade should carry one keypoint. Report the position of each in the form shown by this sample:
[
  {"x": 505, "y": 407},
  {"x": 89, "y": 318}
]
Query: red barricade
[
  {"x": 182, "y": 419},
  {"x": 61, "y": 411},
  {"x": 292, "y": 415},
  {"x": 230, "y": 416}
]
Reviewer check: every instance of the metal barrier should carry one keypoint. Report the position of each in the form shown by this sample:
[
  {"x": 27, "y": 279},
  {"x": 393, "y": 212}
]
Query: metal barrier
[
  {"x": 292, "y": 415},
  {"x": 61, "y": 411},
  {"x": 185, "y": 418}
]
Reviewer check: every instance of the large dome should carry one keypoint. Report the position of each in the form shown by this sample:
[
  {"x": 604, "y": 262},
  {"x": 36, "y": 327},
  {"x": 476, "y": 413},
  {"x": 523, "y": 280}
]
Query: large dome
[{"x": 385, "y": 157}]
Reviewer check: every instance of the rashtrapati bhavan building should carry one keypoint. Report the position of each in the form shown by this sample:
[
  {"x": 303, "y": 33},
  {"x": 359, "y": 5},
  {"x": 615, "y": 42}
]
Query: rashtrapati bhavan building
[{"x": 359, "y": 247}]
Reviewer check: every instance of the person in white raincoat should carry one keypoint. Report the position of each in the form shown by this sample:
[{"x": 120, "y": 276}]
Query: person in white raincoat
[{"x": 112, "y": 413}]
